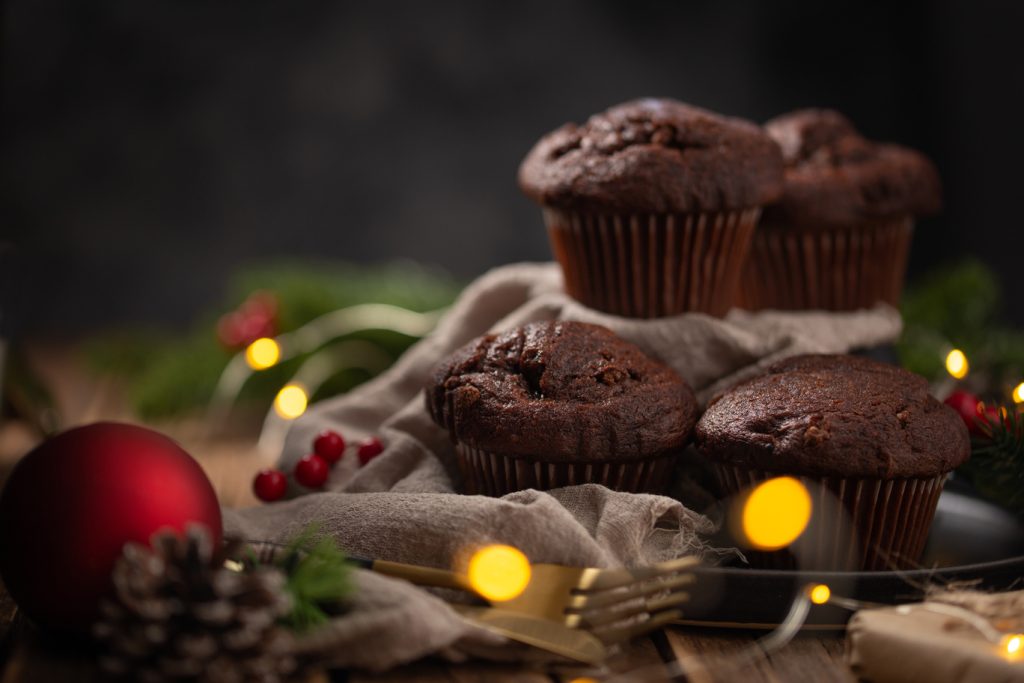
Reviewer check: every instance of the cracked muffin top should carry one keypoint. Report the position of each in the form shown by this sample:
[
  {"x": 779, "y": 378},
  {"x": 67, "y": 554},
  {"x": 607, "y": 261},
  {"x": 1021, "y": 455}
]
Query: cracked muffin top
[
  {"x": 844, "y": 416},
  {"x": 569, "y": 391},
  {"x": 654, "y": 155},
  {"x": 837, "y": 178}
]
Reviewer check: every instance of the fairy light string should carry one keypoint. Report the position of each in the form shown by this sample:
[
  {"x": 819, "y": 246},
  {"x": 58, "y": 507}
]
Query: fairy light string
[{"x": 323, "y": 356}]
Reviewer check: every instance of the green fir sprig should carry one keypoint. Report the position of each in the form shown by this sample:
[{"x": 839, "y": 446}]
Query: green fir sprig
[
  {"x": 169, "y": 374},
  {"x": 959, "y": 306},
  {"x": 996, "y": 467},
  {"x": 318, "y": 579}
]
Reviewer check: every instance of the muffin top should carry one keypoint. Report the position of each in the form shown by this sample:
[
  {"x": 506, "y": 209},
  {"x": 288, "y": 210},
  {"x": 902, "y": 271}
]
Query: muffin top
[
  {"x": 657, "y": 156},
  {"x": 837, "y": 178},
  {"x": 841, "y": 416},
  {"x": 564, "y": 391}
]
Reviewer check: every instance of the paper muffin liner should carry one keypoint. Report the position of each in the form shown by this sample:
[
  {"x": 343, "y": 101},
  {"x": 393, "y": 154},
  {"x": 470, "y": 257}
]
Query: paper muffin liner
[
  {"x": 652, "y": 265},
  {"x": 834, "y": 270},
  {"x": 492, "y": 474},
  {"x": 867, "y": 524}
]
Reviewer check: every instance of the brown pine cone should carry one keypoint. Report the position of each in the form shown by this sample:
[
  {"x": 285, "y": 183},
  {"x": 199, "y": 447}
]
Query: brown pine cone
[{"x": 179, "y": 614}]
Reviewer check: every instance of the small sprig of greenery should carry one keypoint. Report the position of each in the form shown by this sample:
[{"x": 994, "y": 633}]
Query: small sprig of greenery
[
  {"x": 959, "y": 306},
  {"x": 317, "y": 578},
  {"x": 996, "y": 467},
  {"x": 171, "y": 373}
]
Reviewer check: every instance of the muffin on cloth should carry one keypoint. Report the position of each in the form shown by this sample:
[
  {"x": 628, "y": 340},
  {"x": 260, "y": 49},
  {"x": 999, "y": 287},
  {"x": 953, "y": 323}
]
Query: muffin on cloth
[
  {"x": 839, "y": 236},
  {"x": 865, "y": 433},
  {"x": 559, "y": 403},
  {"x": 650, "y": 206}
]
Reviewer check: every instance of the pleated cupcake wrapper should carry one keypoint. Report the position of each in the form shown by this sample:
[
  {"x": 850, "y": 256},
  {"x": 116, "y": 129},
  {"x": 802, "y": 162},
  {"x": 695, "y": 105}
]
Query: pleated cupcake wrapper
[
  {"x": 868, "y": 524},
  {"x": 492, "y": 474},
  {"x": 652, "y": 265},
  {"x": 835, "y": 270}
]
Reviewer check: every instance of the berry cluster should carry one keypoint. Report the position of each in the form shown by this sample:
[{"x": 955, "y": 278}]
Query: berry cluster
[
  {"x": 313, "y": 469},
  {"x": 256, "y": 317}
]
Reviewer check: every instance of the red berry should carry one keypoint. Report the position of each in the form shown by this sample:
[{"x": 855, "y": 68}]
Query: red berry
[
  {"x": 329, "y": 445},
  {"x": 269, "y": 485},
  {"x": 261, "y": 302},
  {"x": 230, "y": 331},
  {"x": 311, "y": 471},
  {"x": 369, "y": 448},
  {"x": 255, "y": 325}
]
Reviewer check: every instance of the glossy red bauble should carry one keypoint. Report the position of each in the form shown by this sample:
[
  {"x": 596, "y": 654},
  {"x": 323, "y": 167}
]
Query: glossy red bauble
[
  {"x": 311, "y": 471},
  {"x": 971, "y": 409},
  {"x": 72, "y": 503},
  {"x": 369, "y": 448},
  {"x": 329, "y": 445},
  {"x": 270, "y": 485}
]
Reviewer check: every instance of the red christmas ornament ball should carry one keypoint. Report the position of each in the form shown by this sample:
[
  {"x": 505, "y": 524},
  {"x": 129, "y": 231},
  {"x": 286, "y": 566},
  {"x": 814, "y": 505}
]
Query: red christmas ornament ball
[
  {"x": 329, "y": 445},
  {"x": 970, "y": 408},
  {"x": 311, "y": 471},
  {"x": 269, "y": 485},
  {"x": 369, "y": 448},
  {"x": 72, "y": 503}
]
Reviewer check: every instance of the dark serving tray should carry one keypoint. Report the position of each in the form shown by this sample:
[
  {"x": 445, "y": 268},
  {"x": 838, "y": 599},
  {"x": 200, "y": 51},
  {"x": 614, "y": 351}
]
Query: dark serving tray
[{"x": 971, "y": 540}]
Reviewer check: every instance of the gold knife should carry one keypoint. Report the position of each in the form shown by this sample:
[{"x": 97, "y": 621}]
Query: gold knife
[{"x": 549, "y": 636}]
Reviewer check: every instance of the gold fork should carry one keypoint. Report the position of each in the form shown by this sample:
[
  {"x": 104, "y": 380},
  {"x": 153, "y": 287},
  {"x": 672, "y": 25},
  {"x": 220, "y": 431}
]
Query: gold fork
[{"x": 616, "y": 605}]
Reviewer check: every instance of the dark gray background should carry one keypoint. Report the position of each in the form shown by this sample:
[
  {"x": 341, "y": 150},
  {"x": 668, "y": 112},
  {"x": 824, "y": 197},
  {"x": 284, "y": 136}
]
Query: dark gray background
[{"x": 152, "y": 147}]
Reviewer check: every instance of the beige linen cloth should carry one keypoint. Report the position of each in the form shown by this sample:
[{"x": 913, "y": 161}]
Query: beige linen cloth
[{"x": 404, "y": 505}]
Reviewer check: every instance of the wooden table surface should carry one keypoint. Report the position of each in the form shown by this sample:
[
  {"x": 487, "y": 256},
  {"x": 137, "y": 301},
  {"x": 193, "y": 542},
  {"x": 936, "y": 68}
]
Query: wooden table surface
[{"x": 26, "y": 655}]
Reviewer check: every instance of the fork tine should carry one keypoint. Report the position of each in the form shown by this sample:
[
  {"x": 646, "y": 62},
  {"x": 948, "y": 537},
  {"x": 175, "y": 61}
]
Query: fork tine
[
  {"x": 583, "y": 601},
  {"x": 605, "y": 617},
  {"x": 614, "y": 578},
  {"x": 625, "y": 633}
]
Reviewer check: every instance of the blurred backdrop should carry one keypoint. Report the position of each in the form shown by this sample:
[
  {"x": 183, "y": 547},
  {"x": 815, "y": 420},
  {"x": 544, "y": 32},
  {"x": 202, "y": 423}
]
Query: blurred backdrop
[{"x": 151, "y": 148}]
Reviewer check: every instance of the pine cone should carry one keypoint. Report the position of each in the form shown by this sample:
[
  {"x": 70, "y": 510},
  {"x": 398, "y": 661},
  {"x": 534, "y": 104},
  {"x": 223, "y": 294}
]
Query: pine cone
[{"x": 180, "y": 615}]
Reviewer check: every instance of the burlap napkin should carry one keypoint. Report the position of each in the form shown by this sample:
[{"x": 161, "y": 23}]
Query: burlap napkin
[
  {"x": 923, "y": 643},
  {"x": 404, "y": 505}
]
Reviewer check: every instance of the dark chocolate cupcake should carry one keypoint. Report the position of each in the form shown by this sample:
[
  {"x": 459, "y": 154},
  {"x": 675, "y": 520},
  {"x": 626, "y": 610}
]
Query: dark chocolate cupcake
[
  {"x": 838, "y": 238},
  {"x": 560, "y": 403},
  {"x": 650, "y": 206},
  {"x": 870, "y": 434}
]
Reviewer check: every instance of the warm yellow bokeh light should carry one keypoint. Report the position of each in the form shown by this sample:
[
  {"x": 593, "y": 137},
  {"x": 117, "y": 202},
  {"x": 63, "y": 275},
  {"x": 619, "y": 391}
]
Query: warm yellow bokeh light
[
  {"x": 291, "y": 401},
  {"x": 819, "y": 594},
  {"x": 1013, "y": 644},
  {"x": 1018, "y": 393},
  {"x": 499, "y": 572},
  {"x": 584, "y": 679},
  {"x": 263, "y": 353},
  {"x": 776, "y": 513},
  {"x": 956, "y": 364}
]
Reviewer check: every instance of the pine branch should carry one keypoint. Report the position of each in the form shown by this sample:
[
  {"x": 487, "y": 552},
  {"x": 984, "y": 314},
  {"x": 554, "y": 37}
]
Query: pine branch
[
  {"x": 997, "y": 459},
  {"x": 318, "y": 579},
  {"x": 171, "y": 375}
]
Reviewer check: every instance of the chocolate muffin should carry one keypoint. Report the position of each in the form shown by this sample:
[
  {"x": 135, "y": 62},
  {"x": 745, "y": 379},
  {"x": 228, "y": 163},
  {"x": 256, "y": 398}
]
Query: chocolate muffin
[
  {"x": 560, "y": 403},
  {"x": 650, "y": 205},
  {"x": 839, "y": 236},
  {"x": 868, "y": 433}
]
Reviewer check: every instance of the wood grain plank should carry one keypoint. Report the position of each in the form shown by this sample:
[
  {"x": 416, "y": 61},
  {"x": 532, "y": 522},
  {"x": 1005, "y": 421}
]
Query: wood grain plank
[
  {"x": 711, "y": 657},
  {"x": 818, "y": 658},
  {"x": 640, "y": 659}
]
